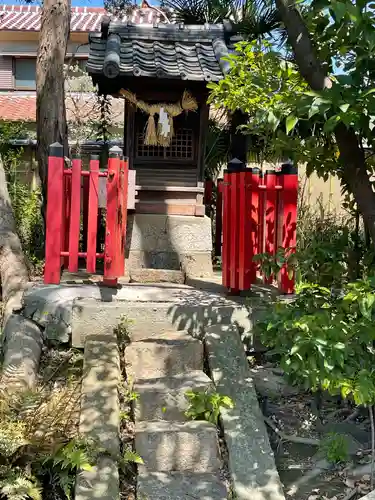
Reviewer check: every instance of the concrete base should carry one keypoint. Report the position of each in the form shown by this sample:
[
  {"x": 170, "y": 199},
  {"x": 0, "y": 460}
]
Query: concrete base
[{"x": 170, "y": 242}]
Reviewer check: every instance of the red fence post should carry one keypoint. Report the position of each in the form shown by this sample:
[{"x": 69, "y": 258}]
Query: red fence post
[
  {"x": 226, "y": 240},
  {"x": 92, "y": 225},
  {"x": 75, "y": 214},
  {"x": 288, "y": 207},
  {"x": 242, "y": 250},
  {"x": 111, "y": 238},
  {"x": 125, "y": 167},
  {"x": 85, "y": 210},
  {"x": 235, "y": 167},
  {"x": 231, "y": 225},
  {"x": 55, "y": 187},
  {"x": 270, "y": 216},
  {"x": 253, "y": 214},
  {"x": 66, "y": 218},
  {"x": 219, "y": 218},
  {"x": 261, "y": 216}
]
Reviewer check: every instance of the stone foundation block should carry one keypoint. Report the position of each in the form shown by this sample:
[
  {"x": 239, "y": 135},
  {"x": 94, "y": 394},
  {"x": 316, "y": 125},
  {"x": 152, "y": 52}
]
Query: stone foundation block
[
  {"x": 170, "y": 242},
  {"x": 147, "y": 275},
  {"x": 170, "y": 446}
]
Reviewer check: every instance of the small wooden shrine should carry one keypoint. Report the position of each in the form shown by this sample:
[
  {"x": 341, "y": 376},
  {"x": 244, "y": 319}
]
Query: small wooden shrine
[{"x": 161, "y": 71}]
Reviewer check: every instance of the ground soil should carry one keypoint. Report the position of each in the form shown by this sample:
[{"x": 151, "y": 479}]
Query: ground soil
[{"x": 304, "y": 469}]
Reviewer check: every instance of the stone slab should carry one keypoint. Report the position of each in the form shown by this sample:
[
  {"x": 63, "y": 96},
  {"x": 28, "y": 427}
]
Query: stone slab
[
  {"x": 102, "y": 482},
  {"x": 170, "y": 446},
  {"x": 251, "y": 461},
  {"x": 186, "y": 308},
  {"x": 145, "y": 319},
  {"x": 179, "y": 486},
  {"x": 147, "y": 275},
  {"x": 22, "y": 340},
  {"x": 163, "y": 356},
  {"x": 164, "y": 398},
  {"x": 100, "y": 414}
]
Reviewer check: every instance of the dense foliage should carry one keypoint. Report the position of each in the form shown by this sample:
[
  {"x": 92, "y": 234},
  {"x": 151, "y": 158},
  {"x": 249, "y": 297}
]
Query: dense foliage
[
  {"x": 292, "y": 120},
  {"x": 325, "y": 340}
]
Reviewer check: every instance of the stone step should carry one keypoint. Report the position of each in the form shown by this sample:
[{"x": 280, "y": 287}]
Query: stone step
[
  {"x": 87, "y": 310},
  {"x": 179, "y": 486},
  {"x": 100, "y": 416},
  {"x": 147, "y": 275},
  {"x": 163, "y": 356},
  {"x": 171, "y": 446},
  {"x": 163, "y": 398}
]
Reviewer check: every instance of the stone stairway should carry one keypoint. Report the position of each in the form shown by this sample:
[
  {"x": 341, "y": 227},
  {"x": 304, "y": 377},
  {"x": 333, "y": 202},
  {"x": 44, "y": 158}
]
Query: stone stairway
[{"x": 181, "y": 457}]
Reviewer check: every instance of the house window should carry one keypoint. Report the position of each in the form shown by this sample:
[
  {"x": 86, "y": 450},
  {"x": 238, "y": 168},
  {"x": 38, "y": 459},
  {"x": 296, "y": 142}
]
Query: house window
[
  {"x": 74, "y": 63},
  {"x": 24, "y": 72},
  {"x": 181, "y": 146}
]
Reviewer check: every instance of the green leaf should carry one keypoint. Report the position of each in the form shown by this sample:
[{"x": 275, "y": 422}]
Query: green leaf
[
  {"x": 294, "y": 350},
  {"x": 132, "y": 456},
  {"x": 87, "y": 467},
  {"x": 291, "y": 122},
  {"x": 339, "y": 9},
  {"x": 313, "y": 111},
  {"x": 227, "y": 401},
  {"x": 331, "y": 123},
  {"x": 344, "y": 107},
  {"x": 272, "y": 120}
]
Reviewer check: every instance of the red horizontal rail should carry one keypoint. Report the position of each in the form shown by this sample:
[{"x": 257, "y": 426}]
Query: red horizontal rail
[
  {"x": 260, "y": 186},
  {"x": 263, "y": 186},
  {"x": 85, "y": 173},
  {"x": 83, "y": 255}
]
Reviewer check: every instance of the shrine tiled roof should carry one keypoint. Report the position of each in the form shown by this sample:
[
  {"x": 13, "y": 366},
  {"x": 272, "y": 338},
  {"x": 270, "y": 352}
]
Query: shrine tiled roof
[{"x": 185, "y": 52}]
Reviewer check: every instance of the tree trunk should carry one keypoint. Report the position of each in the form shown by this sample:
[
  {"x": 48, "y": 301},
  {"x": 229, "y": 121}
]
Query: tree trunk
[
  {"x": 14, "y": 275},
  {"x": 352, "y": 157},
  {"x": 21, "y": 338},
  {"x": 51, "y": 113}
]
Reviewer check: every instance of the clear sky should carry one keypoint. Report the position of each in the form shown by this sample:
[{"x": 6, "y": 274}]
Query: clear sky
[{"x": 75, "y": 3}]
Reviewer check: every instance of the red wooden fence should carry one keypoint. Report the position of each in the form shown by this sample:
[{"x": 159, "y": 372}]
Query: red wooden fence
[
  {"x": 255, "y": 214},
  {"x": 66, "y": 187}
]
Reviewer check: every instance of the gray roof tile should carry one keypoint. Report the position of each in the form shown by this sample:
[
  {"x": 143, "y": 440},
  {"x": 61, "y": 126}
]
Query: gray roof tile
[{"x": 159, "y": 51}]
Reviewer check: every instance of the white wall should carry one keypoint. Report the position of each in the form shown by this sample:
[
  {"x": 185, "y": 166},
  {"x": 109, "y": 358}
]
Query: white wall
[{"x": 14, "y": 48}]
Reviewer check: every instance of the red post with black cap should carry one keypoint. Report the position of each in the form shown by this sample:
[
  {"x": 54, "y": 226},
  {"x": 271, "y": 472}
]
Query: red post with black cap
[
  {"x": 288, "y": 206},
  {"x": 219, "y": 218},
  {"x": 54, "y": 214},
  {"x": 111, "y": 234}
]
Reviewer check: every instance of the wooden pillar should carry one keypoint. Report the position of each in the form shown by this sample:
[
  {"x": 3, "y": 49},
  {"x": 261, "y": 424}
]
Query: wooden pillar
[
  {"x": 239, "y": 141},
  {"x": 203, "y": 126},
  {"x": 129, "y": 135}
]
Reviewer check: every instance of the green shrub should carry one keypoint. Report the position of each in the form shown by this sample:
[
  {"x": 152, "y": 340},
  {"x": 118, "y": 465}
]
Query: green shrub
[
  {"x": 205, "y": 405},
  {"x": 29, "y": 221},
  {"x": 329, "y": 249},
  {"x": 326, "y": 340},
  {"x": 335, "y": 448},
  {"x": 40, "y": 449}
]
